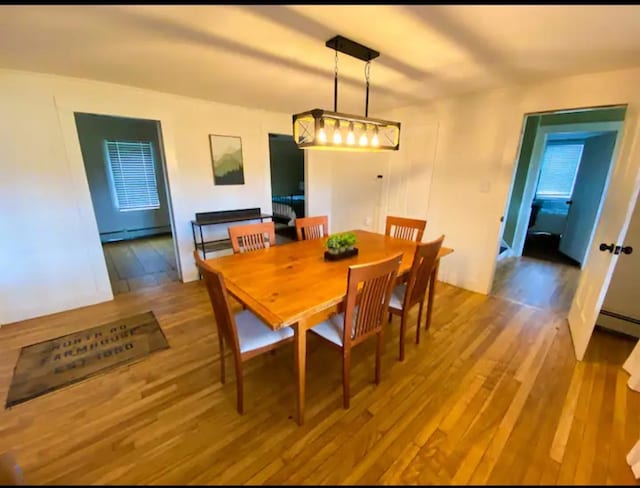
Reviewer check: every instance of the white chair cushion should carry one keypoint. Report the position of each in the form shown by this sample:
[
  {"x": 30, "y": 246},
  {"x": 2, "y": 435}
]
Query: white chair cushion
[
  {"x": 253, "y": 333},
  {"x": 332, "y": 329},
  {"x": 397, "y": 296}
]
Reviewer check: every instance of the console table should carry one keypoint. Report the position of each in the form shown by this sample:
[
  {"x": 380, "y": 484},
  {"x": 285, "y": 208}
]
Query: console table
[{"x": 204, "y": 219}]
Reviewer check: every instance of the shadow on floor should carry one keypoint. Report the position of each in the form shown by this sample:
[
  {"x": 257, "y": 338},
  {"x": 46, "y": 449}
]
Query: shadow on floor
[{"x": 546, "y": 248}]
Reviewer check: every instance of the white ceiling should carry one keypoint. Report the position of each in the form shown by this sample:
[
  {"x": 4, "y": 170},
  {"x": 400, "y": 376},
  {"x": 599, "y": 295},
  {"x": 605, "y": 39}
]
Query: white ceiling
[{"x": 274, "y": 57}]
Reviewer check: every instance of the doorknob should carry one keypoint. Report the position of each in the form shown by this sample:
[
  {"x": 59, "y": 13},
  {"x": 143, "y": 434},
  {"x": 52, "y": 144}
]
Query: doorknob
[
  {"x": 626, "y": 249},
  {"x": 604, "y": 247}
]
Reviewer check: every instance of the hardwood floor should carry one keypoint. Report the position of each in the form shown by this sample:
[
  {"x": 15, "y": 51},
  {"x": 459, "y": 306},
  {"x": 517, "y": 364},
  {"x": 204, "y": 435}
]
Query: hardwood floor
[
  {"x": 140, "y": 263},
  {"x": 492, "y": 394},
  {"x": 536, "y": 282}
]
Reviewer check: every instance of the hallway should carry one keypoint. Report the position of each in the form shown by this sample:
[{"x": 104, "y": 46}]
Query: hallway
[
  {"x": 543, "y": 284},
  {"x": 140, "y": 263}
]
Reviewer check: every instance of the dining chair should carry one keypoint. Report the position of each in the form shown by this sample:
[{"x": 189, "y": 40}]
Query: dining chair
[
  {"x": 404, "y": 228},
  {"x": 251, "y": 237},
  {"x": 369, "y": 288},
  {"x": 245, "y": 334},
  {"x": 312, "y": 227},
  {"x": 414, "y": 290}
]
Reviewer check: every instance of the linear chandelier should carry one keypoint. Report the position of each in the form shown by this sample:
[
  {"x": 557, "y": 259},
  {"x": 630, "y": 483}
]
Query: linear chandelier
[{"x": 322, "y": 129}]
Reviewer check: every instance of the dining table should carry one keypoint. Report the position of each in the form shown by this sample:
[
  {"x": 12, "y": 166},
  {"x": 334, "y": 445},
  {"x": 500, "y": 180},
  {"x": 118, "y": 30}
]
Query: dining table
[{"x": 292, "y": 285}]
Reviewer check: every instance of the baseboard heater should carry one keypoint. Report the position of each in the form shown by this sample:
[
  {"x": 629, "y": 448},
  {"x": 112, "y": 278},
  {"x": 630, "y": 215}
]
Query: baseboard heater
[{"x": 619, "y": 322}]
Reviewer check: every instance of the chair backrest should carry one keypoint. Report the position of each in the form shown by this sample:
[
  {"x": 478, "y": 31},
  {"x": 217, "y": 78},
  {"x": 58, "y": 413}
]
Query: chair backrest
[
  {"x": 312, "y": 227},
  {"x": 424, "y": 260},
  {"x": 250, "y": 237},
  {"x": 220, "y": 303},
  {"x": 403, "y": 228},
  {"x": 369, "y": 288}
]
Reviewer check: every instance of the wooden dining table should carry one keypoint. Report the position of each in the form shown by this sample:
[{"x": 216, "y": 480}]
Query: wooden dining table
[{"x": 291, "y": 285}]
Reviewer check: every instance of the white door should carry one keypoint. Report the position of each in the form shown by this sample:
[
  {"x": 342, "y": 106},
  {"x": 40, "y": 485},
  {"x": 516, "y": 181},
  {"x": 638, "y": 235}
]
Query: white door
[
  {"x": 621, "y": 305},
  {"x": 619, "y": 202},
  {"x": 586, "y": 199}
]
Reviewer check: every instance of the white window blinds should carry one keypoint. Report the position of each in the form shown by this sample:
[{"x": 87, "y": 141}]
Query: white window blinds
[
  {"x": 560, "y": 163},
  {"x": 133, "y": 175}
]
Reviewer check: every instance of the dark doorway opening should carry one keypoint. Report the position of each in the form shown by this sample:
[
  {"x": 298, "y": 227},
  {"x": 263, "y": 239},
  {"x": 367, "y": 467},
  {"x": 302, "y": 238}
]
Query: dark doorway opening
[{"x": 287, "y": 184}]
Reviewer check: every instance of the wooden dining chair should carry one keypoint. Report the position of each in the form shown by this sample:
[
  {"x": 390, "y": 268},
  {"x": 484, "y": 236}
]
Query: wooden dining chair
[
  {"x": 363, "y": 315},
  {"x": 251, "y": 237},
  {"x": 312, "y": 227},
  {"x": 245, "y": 334},
  {"x": 413, "y": 292},
  {"x": 404, "y": 228}
]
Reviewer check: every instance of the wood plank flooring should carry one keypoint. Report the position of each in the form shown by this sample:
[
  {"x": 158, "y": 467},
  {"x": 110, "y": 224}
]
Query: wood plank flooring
[
  {"x": 140, "y": 263},
  {"x": 536, "y": 282},
  {"x": 492, "y": 394}
]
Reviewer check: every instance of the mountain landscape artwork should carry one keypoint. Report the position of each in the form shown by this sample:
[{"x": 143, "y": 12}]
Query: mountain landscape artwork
[{"x": 226, "y": 156}]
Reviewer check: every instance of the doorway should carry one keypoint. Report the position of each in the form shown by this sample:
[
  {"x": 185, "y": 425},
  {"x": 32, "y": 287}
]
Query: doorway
[
  {"x": 556, "y": 198},
  {"x": 287, "y": 185},
  {"x": 124, "y": 163}
]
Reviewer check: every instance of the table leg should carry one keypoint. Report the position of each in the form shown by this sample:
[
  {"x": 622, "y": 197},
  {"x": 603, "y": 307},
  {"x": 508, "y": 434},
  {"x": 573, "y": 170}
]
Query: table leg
[
  {"x": 432, "y": 289},
  {"x": 300, "y": 360}
]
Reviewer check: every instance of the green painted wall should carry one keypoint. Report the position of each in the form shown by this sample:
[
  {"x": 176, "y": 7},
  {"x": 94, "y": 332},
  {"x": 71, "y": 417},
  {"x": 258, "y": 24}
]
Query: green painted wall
[
  {"x": 112, "y": 223},
  {"x": 287, "y": 165},
  {"x": 603, "y": 115},
  {"x": 529, "y": 137}
]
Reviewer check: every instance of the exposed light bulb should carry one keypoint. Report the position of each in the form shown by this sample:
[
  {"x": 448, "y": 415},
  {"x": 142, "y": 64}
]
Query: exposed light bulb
[
  {"x": 337, "y": 136},
  {"x": 322, "y": 136},
  {"x": 363, "y": 140},
  {"x": 351, "y": 139},
  {"x": 374, "y": 140}
]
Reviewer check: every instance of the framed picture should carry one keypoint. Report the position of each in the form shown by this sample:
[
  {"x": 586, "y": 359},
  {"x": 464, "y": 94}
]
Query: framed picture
[{"x": 226, "y": 158}]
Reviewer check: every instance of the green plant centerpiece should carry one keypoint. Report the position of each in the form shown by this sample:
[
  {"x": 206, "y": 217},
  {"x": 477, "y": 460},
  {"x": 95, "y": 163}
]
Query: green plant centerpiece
[{"x": 341, "y": 245}]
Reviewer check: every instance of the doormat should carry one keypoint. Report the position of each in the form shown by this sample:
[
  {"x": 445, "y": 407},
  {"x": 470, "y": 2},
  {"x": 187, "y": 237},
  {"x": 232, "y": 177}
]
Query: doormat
[{"x": 53, "y": 364}]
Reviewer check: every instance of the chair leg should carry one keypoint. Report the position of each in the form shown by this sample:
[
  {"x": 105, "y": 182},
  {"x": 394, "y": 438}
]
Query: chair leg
[
  {"x": 239, "y": 387},
  {"x": 418, "y": 325},
  {"x": 221, "y": 343},
  {"x": 403, "y": 323},
  {"x": 378, "y": 357},
  {"x": 346, "y": 378},
  {"x": 390, "y": 317}
]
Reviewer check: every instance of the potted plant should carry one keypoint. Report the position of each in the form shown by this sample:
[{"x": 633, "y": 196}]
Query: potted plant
[
  {"x": 349, "y": 240},
  {"x": 341, "y": 246},
  {"x": 334, "y": 243}
]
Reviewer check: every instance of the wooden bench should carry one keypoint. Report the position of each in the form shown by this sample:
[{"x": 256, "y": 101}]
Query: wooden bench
[{"x": 204, "y": 219}]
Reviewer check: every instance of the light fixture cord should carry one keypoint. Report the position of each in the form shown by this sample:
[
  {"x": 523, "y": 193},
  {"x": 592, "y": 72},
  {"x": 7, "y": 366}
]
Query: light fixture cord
[
  {"x": 335, "y": 85},
  {"x": 367, "y": 72}
]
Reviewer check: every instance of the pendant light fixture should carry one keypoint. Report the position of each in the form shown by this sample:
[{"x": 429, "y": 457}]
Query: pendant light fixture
[{"x": 322, "y": 129}]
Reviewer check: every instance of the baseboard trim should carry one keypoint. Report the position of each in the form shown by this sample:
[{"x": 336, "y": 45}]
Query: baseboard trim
[{"x": 619, "y": 323}]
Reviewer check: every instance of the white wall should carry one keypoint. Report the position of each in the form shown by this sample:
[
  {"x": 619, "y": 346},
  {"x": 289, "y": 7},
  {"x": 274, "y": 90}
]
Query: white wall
[
  {"x": 454, "y": 167},
  {"x": 457, "y": 165},
  {"x": 50, "y": 253}
]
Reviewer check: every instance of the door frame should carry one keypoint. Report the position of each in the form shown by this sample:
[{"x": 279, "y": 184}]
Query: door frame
[
  {"x": 66, "y": 107},
  {"x": 624, "y": 183},
  {"x": 533, "y": 173}
]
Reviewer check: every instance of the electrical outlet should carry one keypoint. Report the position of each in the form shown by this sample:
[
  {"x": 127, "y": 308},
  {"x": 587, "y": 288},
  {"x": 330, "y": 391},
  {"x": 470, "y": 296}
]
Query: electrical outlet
[{"x": 368, "y": 221}]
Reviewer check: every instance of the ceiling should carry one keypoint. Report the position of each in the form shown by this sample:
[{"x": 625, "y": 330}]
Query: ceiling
[{"x": 274, "y": 57}]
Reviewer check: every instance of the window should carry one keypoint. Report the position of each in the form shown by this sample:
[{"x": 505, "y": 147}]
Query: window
[
  {"x": 560, "y": 163},
  {"x": 132, "y": 172}
]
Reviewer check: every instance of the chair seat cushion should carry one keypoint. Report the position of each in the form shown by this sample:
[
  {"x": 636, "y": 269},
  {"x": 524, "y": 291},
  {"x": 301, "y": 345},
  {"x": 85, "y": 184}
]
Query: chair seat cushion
[
  {"x": 253, "y": 333},
  {"x": 331, "y": 329},
  {"x": 397, "y": 296}
]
